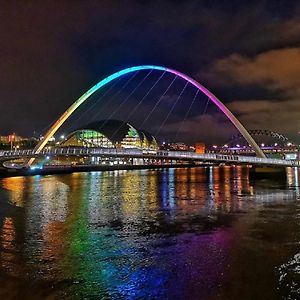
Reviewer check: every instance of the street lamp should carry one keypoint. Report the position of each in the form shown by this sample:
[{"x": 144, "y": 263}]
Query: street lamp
[{"x": 11, "y": 139}]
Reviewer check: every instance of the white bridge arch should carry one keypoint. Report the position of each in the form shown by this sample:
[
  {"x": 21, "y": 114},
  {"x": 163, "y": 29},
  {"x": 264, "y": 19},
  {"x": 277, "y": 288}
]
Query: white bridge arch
[{"x": 59, "y": 122}]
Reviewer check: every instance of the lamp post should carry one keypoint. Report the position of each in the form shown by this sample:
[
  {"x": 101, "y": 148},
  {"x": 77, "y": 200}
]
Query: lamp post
[
  {"x": 11, "y": 139},
  {"x": 298, "y": 153}
]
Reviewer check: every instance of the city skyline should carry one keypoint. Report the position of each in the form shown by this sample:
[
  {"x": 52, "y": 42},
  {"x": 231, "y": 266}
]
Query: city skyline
[
  {"x": 150, "y": 149},
  {"x": 252, "y": 68}
]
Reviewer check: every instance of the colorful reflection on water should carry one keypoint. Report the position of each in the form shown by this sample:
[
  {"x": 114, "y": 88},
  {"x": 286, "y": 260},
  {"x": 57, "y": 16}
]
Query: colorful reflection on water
[{"x": 147, "y": 234}]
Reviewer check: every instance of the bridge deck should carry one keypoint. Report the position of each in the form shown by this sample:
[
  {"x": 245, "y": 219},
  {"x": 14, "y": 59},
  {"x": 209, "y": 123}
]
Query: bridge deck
[{"x": 136, "y": 153}]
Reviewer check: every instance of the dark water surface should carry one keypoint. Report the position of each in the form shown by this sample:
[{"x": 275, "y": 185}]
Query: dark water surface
[{"x": 150, "y": 234}]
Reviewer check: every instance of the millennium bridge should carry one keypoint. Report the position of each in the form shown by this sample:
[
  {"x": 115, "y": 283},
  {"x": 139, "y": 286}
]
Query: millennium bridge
[{"x": 144, "y": 156}]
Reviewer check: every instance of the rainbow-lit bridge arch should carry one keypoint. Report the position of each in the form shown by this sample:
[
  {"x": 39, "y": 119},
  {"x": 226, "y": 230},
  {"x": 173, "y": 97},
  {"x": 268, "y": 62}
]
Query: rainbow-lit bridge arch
[{"x": 59, "y": 122}]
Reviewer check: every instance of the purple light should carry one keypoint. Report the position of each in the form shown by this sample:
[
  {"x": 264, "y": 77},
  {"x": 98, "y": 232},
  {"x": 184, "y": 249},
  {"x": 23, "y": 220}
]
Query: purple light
[{"x": 59, "y": 122}]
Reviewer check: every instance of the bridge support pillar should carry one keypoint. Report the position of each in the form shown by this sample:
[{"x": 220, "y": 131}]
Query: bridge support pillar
[{"x": 266, "y": 172}]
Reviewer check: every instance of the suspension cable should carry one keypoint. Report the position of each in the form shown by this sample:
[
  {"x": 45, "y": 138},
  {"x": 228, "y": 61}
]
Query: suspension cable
[
  {"x": 126, "y": 99},
  {"x": 139, "y": 103},
  {"x": 158, "y": 102},
  {"x": 171, "y": 110},
  {"x": 45, "y": 129},
  {"x": 98, "y": 100},
  {"x": 71, "y": 127},
  {"x": 115, "y": 94},
  {"x": 186, "y": 115},
  {"x": 205, "y": 108}
]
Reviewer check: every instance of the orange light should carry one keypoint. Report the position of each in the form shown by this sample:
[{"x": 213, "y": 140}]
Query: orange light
[{"x": 11, "y": 137}]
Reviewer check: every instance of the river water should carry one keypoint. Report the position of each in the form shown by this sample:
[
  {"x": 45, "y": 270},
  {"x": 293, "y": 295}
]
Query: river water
[{"x": 190, "y": 233}]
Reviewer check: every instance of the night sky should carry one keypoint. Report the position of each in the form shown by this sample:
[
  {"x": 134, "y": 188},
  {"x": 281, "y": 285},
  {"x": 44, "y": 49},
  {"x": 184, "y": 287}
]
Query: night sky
[{"x": 245, "y": 52}]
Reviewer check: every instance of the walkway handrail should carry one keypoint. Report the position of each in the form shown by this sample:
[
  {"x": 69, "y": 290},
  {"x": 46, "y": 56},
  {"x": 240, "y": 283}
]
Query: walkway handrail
[{"x": 161, "y": 154}]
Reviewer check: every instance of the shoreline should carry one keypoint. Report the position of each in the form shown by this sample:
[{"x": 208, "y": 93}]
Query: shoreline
[{"x": 4, "y": 173}]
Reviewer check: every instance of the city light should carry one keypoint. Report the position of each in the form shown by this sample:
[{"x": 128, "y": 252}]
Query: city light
[
  {"x": 60, "y": 121},
  {"x": 36, "y": 168},
  {"x": 123, "y": 179}
]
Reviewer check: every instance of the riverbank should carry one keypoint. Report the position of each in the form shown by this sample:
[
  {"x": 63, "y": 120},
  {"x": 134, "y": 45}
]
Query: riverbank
[{"x": 72, "y": 169}]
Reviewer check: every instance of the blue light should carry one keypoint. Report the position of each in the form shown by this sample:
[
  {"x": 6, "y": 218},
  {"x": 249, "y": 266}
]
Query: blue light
[
  {"x": 116, "y": 75},
  {"x": 108, "y": 79},
  {"x": 36, "y": 168}
]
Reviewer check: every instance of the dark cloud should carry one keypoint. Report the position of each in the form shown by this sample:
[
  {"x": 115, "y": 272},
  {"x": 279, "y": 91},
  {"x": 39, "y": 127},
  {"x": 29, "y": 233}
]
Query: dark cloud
[
  {"x": 276, "y": 71},
  {"x": 53, "y": 51},
  {"x": 207, "y": 128},
  {"x": 280, "y": 116}
]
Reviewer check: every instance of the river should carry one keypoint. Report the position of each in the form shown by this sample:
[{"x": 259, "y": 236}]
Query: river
[{"x": 186, "y": 233}]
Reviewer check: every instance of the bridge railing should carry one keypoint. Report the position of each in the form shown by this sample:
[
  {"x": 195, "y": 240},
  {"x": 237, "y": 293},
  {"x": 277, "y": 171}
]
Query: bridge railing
[{"x": 149, "y": 153}]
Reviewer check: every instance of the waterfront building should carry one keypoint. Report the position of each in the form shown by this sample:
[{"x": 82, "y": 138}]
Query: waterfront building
[{"x": 110, "y": 134}]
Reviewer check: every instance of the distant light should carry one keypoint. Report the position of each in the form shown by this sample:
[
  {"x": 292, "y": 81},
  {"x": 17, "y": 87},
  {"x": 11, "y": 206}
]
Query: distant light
[
  {"x": 36, "y": 167},
  {"x": 275, "y": 144},
  {"x": 289, "y": 144},
  {"x": 238, "y": 145},
  {"x": 262, "y": 144},
  {"x": 226, "y": 146},
  {"x": 62, "y": 137},
  {"x": 215, "y": 146},
  {"x": 47, "y": 157}
]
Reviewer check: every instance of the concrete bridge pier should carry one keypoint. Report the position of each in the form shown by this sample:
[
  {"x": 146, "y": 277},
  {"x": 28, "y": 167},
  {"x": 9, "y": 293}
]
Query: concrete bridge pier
[{"x": 268, "y": 172}]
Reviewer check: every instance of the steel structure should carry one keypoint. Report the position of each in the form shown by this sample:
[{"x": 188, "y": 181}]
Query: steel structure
[
  {"x": 261, "y": 132},
  {"x": 136, "y": 153},
  {"x": 59, "y": 122}
]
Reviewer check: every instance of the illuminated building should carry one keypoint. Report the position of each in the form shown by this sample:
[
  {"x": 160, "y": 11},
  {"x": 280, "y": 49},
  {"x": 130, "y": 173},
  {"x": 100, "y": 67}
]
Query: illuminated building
[
  {"x": 200, "y": 148},
  {"x": 110, "y": 134},
  {"x": 6, "y": 139},
  {"x": 273, "y": 144},
  {"x": 178, "y": 146},
  {"x": 14, "y": 141}
]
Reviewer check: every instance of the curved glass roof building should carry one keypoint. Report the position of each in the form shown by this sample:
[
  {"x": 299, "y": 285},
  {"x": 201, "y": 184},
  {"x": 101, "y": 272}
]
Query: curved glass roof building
[{"x": 110, "y": 134}]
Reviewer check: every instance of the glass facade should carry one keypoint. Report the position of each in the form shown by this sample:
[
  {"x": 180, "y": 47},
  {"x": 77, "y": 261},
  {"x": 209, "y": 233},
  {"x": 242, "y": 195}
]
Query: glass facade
[
  {"x": 88, "y": 138},
  {"x": 129, "y": 138}
]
